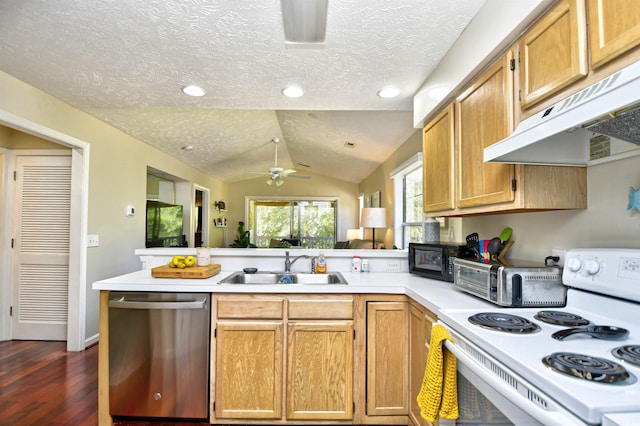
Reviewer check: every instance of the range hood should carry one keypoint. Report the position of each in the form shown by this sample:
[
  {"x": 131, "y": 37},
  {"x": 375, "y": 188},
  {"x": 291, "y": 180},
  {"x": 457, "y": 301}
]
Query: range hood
[{"x": 571, "y": 131}]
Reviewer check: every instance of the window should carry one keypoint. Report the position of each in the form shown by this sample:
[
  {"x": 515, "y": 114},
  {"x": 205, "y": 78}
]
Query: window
[
  {"x": 408, "y": 207},
  {"x": 312, "y": 221}
]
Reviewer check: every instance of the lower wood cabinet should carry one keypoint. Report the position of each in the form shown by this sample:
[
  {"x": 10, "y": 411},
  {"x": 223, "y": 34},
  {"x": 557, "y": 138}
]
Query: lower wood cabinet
[
  {"x": 320, "y": 370},
  {"x": 419, "y": 326},
  {"x": 311, "y": 359},
  {"x": 387, "y": 358},
  {"x": 249, "y": 383},
  {"x": 252, "y": 358}
]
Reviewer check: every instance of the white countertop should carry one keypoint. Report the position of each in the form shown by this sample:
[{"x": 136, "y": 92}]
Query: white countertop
[{"x": 432, "y": 294}]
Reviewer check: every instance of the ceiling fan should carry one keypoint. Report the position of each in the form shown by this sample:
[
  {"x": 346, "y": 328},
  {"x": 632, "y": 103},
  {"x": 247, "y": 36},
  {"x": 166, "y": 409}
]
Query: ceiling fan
[{"x": 277, "y": 174}]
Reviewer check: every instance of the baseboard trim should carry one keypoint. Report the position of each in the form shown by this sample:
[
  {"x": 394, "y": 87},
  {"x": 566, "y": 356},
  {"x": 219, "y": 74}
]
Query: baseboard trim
[{"x": 91, "y": 340}]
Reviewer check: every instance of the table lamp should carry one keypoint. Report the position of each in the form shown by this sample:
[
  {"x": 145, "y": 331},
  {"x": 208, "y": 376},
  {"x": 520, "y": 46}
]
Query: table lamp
[{"x": 373, "y": 217}]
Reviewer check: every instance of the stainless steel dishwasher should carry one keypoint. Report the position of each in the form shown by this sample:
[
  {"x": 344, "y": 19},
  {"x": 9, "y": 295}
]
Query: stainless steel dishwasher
[{"x": 159, "y": 355}]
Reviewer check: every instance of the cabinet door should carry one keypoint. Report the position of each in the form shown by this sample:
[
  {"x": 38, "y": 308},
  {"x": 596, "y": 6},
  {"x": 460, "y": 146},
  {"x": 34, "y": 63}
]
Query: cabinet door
[
  {"x": 484, "y": 115},
  {"x": 438, "y": 162},
  {"x": 417, "y": 360},
  {"x": 387, "y": 358},
  {"x": 614, "y": 28},
  {"x": 320, "y": 370},
  {"x": 249, "y": 361},
  {"x": 553, "y": 52}
]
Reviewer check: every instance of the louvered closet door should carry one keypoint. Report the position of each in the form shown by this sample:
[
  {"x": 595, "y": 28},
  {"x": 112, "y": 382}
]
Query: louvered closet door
[{"x": 41, "y": 248}]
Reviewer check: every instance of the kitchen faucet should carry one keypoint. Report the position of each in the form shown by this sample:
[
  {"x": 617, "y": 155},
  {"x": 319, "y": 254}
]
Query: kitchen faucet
[{"x": 288, "y": 262}]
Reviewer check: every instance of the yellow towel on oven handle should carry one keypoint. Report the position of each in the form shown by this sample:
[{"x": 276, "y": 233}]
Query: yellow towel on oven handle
[{"x": 438, "y": 396}]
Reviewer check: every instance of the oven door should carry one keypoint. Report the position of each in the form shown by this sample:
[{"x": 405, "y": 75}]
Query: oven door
[{"x": 489, "y": 394}]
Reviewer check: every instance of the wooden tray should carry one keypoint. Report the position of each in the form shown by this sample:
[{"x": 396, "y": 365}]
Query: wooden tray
[{"x": 193, "y": 272}]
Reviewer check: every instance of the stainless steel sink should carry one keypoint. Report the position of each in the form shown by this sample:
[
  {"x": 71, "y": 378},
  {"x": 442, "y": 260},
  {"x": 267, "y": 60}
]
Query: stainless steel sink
[{"x": 284, "y": 278}]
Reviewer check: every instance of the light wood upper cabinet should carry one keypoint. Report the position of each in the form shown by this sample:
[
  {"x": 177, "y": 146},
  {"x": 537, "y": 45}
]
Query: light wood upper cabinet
[
  {"x": 553, "y": 52},
  {"x": 484, "y": 115},
  {"x": 438, "y": 162},
  {"x": 614, "y": 28},
  {"x": 387, "y": 358}
]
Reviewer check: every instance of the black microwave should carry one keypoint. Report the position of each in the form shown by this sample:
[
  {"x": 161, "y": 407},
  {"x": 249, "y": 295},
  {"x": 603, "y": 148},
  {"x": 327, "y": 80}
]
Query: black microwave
[{"x": 435, "y": 260}]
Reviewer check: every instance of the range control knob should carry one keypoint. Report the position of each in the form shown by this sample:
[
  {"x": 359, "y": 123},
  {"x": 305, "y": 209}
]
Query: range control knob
[
  {"x": 574, "y": 264},
  {"x": 591, "y": 267}
]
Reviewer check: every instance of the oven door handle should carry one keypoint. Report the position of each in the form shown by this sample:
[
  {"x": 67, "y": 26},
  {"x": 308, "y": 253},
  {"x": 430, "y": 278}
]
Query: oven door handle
[{"x": 552, "y": 416}]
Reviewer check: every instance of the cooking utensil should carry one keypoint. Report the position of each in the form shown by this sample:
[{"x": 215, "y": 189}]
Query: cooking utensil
[
  {"x": 494, "y": 247},
  {"x": 505, "y": 235},
  {"x": 606, "y": 332},
  {"x": 473, "y": 242}
]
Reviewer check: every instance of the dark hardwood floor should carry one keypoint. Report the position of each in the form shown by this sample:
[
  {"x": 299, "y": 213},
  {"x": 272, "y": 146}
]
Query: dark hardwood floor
[{"x": 43, "y": 384}]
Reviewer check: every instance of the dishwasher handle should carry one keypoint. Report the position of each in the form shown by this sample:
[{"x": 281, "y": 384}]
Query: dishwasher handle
[{"x": 123, "y": 303}]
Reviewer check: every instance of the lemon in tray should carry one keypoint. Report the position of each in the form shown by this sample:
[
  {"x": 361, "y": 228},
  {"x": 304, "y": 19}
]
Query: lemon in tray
[{"x": 182, "y": 262}]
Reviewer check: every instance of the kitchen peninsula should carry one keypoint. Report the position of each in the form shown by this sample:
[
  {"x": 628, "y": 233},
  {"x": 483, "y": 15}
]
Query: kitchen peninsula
[{"x": 369, "y": 335}]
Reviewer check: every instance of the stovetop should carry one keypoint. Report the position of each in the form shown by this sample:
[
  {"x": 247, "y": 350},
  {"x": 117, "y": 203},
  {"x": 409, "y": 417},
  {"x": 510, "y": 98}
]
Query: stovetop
[{"x": 523, "y": 353}]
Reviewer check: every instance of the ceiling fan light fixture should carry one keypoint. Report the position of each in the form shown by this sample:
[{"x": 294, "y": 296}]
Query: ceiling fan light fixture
[
  {"x": 305, "y": 22},
  {"x": 292, "y": 92},
  {"x": 388, "y": 92},
  {"x": 193, "y": 90}
]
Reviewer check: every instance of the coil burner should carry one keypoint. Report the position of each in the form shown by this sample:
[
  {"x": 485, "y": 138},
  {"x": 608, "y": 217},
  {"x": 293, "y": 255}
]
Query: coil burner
[
  {"x": 561, "y": 318},
  {"x": 589, "y": 368},
  {"x": 628, "y": 353},
  {"x": 504, "y": 322}
]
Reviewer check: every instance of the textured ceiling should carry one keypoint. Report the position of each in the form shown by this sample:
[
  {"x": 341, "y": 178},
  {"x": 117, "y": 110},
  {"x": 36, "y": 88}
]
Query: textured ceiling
[{"x": 124, "y": 61}]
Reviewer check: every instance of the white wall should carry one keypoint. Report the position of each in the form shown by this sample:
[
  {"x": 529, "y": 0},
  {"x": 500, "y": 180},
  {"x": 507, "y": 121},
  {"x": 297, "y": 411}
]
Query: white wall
[
  {"x": 117, "y": 178},
  {"x": 605, "y": 223}
]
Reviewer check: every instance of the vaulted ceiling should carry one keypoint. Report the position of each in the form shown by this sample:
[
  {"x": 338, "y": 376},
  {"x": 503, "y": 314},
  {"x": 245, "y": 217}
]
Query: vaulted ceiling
[{"x": 126, "y": 61}]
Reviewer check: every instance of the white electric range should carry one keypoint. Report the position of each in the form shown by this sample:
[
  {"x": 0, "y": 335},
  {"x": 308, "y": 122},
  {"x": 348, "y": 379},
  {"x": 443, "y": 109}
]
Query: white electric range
[{"x": 530, "y": 377}]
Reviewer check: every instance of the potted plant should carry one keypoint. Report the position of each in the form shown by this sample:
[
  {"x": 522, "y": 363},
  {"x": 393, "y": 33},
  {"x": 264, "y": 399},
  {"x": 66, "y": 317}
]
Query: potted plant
[{"x": 243, "y": 239}]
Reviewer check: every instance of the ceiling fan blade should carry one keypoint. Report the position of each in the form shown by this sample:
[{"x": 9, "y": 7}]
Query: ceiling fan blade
[
  {"x": 288, "y": 171},
  {"x": 300, "y": 176}
]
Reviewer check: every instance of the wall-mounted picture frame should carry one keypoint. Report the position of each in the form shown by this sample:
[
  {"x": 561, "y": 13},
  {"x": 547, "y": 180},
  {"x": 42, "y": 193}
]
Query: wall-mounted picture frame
[{"x": 375, "y": 199}]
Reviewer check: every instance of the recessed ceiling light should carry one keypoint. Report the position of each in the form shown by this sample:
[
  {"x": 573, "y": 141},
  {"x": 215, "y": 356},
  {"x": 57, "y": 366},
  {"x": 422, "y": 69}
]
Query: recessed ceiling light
[
  {"x": 292, "y": 92},
  {"x": 389, "y": 92},
  {"x": 193, "y": 90}
]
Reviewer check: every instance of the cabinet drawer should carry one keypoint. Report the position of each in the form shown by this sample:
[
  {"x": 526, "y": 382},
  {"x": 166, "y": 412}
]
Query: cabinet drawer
[
  {"x": 321, "y": 307},
  {"x": 245, "y": 307}
]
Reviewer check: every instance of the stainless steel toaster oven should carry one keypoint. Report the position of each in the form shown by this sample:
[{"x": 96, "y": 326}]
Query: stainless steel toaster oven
[{"x": 514, "y": 284}]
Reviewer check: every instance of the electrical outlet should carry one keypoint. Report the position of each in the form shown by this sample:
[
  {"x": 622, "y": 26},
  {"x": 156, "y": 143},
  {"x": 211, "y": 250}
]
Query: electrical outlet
[
  {"x": 561, "y": 253},
  {"x": 93, "y": 241},
  {"x": 392, "y": 266}
]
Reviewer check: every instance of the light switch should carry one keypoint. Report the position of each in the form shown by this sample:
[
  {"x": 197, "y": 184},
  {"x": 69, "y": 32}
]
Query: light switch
[
  {"x": 130, "y": 211},
  {"x": 93, "y": 241}
]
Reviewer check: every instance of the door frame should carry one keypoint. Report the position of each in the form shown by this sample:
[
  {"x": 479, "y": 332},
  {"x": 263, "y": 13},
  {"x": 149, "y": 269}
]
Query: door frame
[
  {"x": 76, "y": 309},
  {"x": 205, "y": 213}
]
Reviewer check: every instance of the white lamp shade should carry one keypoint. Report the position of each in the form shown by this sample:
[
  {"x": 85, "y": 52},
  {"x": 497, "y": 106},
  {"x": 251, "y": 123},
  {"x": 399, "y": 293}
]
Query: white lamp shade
[
  {"x": 354, "y": 234},
  {"x": 374, "y": 217}
]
